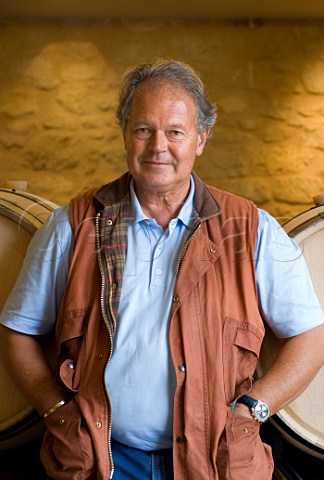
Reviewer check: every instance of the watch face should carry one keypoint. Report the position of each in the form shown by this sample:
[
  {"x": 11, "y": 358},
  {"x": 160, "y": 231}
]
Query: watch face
[{"x": 261, "y": 412}]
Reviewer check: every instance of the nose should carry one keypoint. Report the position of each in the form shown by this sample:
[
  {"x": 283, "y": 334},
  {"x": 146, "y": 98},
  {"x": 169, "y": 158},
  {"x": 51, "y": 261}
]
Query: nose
[{"x": 158, "y": 142}]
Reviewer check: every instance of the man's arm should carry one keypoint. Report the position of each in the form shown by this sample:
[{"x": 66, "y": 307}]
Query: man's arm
[
  {"x": 24, "y": 360},
  {"x": 297, "y": 363}
]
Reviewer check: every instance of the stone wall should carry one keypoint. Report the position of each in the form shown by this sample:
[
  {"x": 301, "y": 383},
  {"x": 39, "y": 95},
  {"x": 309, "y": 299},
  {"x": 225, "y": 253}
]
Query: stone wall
[{"x": 59, "y": 85}]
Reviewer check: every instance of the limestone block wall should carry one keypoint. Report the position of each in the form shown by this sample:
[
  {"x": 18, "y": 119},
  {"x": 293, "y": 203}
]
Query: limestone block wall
[{"x": 59, "y": 86}]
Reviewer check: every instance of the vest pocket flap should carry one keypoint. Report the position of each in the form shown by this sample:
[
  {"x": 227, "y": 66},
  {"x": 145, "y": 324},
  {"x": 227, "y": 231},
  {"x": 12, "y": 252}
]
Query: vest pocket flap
[
  {"x": 67, "y": 370},
  {"x": 74, "y": 324},
  {"x": 249, "y": 340},
  {"x": 72, "y": 347}
]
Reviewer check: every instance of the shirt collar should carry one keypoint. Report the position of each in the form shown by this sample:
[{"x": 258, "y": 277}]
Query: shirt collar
[{"x": 185, "y": 215}]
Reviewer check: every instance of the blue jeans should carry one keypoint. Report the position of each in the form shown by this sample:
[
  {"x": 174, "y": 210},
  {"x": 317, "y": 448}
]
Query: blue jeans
[{"x": 134, "y": 464}]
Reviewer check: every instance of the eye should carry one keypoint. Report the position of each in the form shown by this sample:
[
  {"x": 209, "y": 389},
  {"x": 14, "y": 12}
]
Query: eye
[
  {"x": 175, "y": 134},
  {"x": 143, "y": 132}
]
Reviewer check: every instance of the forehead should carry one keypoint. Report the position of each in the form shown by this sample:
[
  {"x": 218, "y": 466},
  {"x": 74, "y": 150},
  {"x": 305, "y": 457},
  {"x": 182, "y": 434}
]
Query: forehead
[{"x": 162, "y": 98}]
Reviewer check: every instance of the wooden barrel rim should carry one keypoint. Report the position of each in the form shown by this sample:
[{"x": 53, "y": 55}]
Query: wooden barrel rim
[
  {"x": 303, "y": 220},
  {"x": 13, "y": 210}
]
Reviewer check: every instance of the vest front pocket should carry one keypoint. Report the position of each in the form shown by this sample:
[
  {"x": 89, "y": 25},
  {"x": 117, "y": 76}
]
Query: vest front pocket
[
  {"x": 67, "y": 451},
  {"x": 242, "y": 455},
  {"x": 241, "y": 348}
]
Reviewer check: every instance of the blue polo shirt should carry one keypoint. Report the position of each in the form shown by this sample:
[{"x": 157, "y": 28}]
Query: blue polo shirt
[{"x": 141, "y": 375}]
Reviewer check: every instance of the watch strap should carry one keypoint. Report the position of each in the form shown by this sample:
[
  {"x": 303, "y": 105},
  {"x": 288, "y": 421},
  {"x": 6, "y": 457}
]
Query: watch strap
[{"x": 248, "y": 401}]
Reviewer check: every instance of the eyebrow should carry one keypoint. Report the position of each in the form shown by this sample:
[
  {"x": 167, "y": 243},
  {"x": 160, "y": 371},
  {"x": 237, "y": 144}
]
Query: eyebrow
[{"x": 172, "y": 126}]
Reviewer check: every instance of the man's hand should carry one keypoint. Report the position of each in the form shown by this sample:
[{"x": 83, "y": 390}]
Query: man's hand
[{"x": 25, "y": 361}]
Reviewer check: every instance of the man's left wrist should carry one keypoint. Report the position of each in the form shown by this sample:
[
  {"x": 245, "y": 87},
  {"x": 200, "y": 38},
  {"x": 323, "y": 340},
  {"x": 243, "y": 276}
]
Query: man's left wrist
[{"x": 259, "y": 410}]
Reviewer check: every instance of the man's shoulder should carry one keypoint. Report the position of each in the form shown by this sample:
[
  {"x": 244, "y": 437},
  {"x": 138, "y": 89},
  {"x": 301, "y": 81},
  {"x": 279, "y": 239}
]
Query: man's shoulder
[{"x": 231, "y": 201}]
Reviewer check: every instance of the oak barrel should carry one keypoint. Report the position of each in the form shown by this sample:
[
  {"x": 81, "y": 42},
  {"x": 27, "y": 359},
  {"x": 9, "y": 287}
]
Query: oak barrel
[
  {"x": 302, "y": 422},
  {"x": 21, "y": 214}
]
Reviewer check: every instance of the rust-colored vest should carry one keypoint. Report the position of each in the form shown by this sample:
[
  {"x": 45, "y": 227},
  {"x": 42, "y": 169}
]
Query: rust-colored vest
[{"x": 215, "y": 336}]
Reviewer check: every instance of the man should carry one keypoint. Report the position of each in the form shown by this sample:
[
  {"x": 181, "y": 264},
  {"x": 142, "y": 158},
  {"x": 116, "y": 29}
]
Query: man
[{"x": 161, "y": 285}]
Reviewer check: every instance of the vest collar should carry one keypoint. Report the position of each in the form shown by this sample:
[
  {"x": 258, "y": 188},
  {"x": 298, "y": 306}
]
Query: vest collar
[{"x": 205, "y": 203}]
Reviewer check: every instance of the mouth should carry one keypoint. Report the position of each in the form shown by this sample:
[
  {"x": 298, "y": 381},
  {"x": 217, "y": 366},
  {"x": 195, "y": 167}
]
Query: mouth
[{"x": 156, "y": 163}]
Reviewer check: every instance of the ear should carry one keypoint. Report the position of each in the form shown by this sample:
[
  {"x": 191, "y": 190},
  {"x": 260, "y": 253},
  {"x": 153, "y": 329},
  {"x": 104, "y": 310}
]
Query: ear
[{"x": 201, "y": 142}]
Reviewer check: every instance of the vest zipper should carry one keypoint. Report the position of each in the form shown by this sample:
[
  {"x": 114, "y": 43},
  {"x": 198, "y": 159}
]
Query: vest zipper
[
  {"x": 185, "y": 247},
  {"x": 102, "y": 301}
]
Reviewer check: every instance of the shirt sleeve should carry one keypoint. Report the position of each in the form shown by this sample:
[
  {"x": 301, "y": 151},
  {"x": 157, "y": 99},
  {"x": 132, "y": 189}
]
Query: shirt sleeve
[
  {"x": 33, "y": 303},
  {"x": 287, "y": 299}
]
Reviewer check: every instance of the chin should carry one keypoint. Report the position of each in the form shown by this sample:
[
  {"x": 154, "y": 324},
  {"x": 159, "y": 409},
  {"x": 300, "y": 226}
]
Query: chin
[{"x": 153, "y": 180}]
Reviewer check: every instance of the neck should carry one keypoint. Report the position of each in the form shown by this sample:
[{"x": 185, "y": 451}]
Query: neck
[{"x": 162, "y": 206}]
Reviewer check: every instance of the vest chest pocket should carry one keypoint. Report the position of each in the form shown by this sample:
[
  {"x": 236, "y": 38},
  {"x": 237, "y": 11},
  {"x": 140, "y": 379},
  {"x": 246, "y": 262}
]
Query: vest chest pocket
[{"x": 241, "y": 348}]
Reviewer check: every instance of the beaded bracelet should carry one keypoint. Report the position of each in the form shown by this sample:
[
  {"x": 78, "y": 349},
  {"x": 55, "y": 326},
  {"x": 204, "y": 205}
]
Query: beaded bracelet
[{"x": 54, "y": 408}]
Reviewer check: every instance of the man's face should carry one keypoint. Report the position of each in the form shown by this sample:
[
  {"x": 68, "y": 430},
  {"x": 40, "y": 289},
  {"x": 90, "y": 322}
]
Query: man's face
[{"x": 161, "y": 138}]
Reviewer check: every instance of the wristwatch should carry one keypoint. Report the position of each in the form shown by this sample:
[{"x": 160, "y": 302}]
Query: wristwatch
[{"x": 259, "y": 410}]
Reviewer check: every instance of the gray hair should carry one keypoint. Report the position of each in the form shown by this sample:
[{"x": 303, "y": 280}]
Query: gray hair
[{"x": 174, "y": 72}]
